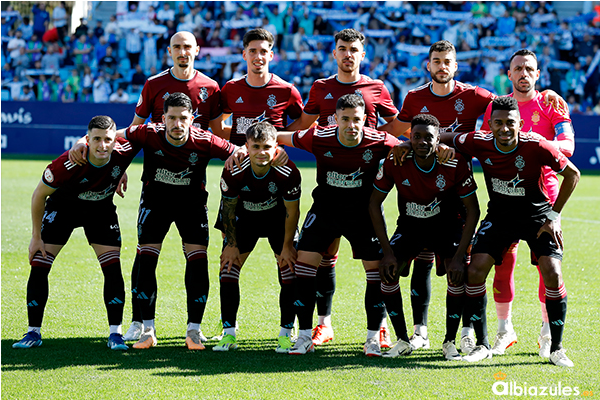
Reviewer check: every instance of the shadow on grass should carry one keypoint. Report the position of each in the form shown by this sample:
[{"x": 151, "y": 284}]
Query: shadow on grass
[{"x": 252, "y": 356}]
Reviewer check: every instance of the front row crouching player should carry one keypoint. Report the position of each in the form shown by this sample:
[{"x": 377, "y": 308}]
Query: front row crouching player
[
  {"x": 347, "y": 157},
  {"x": 259, "y": 200},
  {"x": 519, "y": 208},
  {"x": 66, "y": 192},
  {"x": 429, "y": 221}
]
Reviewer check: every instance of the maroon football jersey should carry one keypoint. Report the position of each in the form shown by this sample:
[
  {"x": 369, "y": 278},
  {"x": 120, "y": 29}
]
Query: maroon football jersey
[
  {"x": 89, "y": 182},
  {"x": 457, "y": 111},
  {"x": 427, "y": 196},
  {"x": 325, "y": 93},
  {"x": 259, "y": 195},
  {"x": 344, "y": 174},
  {"x": 203, "y": 91},
  {"x": 514, "y": 180},
  {"x": 171, "y": 166},
  {"x": 273, "y": 102}
]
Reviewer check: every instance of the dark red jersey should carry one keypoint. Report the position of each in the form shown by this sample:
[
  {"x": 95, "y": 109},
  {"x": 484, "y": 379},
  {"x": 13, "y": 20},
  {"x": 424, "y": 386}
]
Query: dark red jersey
[
  {"x": 457, "y": 111},
  {"x": 273, "y": 102},
  {"x": 177, "y": 167},
  {"x": 344, "y": 174},
  {"x": 427, "y": 196},
  {"x": 325, "y": 93},
  {"x": 515, "y": 180},
  {"x": 203, "y": 91},
  {"x": 261, "y": 195},
  {"x": 89, "y": 182}
]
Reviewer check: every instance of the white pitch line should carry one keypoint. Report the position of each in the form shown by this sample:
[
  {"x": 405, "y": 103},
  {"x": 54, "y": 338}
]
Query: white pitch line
[{"x": 589, "y": 221}]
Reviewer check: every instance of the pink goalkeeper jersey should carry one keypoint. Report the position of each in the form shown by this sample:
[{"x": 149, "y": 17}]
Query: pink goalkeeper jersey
[{"x": 554, "y": 125}]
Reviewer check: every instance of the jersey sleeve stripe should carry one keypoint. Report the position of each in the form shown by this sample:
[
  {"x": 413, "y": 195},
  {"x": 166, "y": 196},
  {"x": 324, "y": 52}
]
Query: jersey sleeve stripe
[
  {"x": 382, "y": 191},
  {"x": 69, "y": 165},
  {"x": 467, "y": 195}
]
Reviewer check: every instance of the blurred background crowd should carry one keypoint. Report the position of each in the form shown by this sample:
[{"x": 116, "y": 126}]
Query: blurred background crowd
[{"x": 116, "y": 46}]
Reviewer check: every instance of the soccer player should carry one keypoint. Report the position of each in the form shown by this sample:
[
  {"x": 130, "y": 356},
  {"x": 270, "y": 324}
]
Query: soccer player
[
  {"x": 65, "y": 194},
  {"x": 349, "y": 52},
  {"x": 175, "y": 158},
  {"x": 259, "y": 200},
  {"x": 348, "y": 157},
  {"x": 259, "y": 95},
  {"x": 555, "y": 126},
  {"x": 519, "y": 208},
  {"x": 427, "y": 191}
]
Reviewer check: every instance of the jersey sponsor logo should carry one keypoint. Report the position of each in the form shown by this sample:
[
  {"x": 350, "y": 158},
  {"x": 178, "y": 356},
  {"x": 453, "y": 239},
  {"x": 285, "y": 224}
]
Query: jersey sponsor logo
[
  {"x": 358, "y": 92},
  {"x": 459, "y": 106},
  {"x": 203, "y": 94},
  {"x": 115, "y": 172},
  {"x": 245, "y": 189},
  {"x": 271, "y": 101},
  {"x": 224, "y": 186},
  {"x": 468, "y": 182},
  {"x": 423, "y": 211},
  {"x": 331, "y": 120},
  {"x": 462, "y": 138},
  {"x": 140, "y": 101},
  {"x": 166, "y": 95},
  {"x": 519, "y": 163},
  {"x": 508, "y": 188},
  {"x": 173, "y": 178},
  {"x": 535, "y": 118},
  {"x": 328, "y": 154},
  {"x": 488, "y": 162},
  {"x": 193, "y": 158},
  {"x": 262, "y": 206},
  {"x": 272, "y": 187},
  {"x": 244, "y": 123},
  {"x": 452, "y": 128},
  {"x": 84, "y": 180},
  {"x": 367, "y": 155},
  {"x": 97, "y": 196},
  {"x": 302, "y": 133},
  {"x": 440, "y": 182},
  {"x": 424, "y": 109},
  {"x": 329, "y": 97},
  {"x": 294, "y": 190},
  {"x": 239, "y": 100},
  {"x": 159, "y": 153},
  {"x": 346, "y": 181},
  {"x": 48, "y": 175},
  {"x": 406, "y": 182},
  {"x": 379, "y": 174}
]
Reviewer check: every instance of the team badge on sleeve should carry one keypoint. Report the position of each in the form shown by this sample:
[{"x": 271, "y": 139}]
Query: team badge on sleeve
[
  {"x": 462, "y": 138},
  {"x": 48, "y": 175},
  {"x": 224, "y": 186},
  {"x": 380, "y": 173},
  {"x": 140, "y": 100}
]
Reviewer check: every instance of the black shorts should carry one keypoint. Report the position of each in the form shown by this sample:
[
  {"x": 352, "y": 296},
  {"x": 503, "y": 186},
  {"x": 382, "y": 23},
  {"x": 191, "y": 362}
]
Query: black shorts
[
  {"x": 411, "y": 239},
  {"x": 99, "y": 222},
  {"x": 496, "y": 233},
  {"x": 249, "y": 230},
  {"x": 323, "y": 225},
  {"x": 160, "y": 208}
]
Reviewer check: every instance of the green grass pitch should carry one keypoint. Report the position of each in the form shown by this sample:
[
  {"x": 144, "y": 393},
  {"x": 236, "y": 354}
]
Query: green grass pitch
[{"x": 74, "y": 362}]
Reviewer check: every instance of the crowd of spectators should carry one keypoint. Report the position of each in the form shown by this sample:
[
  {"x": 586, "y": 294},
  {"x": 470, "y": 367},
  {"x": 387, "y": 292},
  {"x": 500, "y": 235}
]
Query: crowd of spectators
[{"x": 109, "y": 61}]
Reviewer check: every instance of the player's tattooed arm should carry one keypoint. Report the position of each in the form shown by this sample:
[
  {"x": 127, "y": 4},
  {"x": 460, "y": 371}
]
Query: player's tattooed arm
[
  {"x": 231, "y": 253},
  {"x": 388, "y": 266}
]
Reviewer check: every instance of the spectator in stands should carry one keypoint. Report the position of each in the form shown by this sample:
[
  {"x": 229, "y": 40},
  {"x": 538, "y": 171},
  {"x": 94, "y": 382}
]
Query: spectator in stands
[
  {"x": 27, "y": 94},
  {"x": 150, "y": 53},
  {"x": 99, "y": 30},
  {"x": 86, "y": 96},
  {"x": 180, "y": 13},
  {"x": 575, "y": 79},
  {"x": 60, "y": 20},
  {"x": 82, "y": 50},
  {"x": 26, "y": 28},
  {"x": 277, "y": 19},
  {"x": 41, "y": 18},
  {"x": 44, "y": 91},
  {"x": 100, "y": 48},
  {"x": 194, "y": 18},
  {"x": 101, "y": 89},
  {"x": 565, "y": 42},
  {"x": 108, "y": 63},
  {"x": 138, "y": 79},
  {"x": 320, "y": 27},
  {"x": 74, "y": 81},
  {"x": 82, "y": 29},
  {"x": 133, "y": 46},
  {"x": 57, "y": 86},
  {"x": 34, "y": 48},
  {"x": 68, "y": 95},
  {"x": 21, "y": 62},
  {"x": 88, "y": 79},
  {"x": 596, "y": 109},
  {"x": 165, "y": 14},
  {"x": 586, "y": 46},
  {"x": 268, "y": 26},
  {"x": 151, "y": 14},
  {"x": 120, "y": 96},
  {"x": 305, "y": 21},
  {"x": 113, "y": 33},
  {"x": 15, "y": 44},
  {"x": 214, "y": 39},
  {"x": 299, "y": 40}
]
